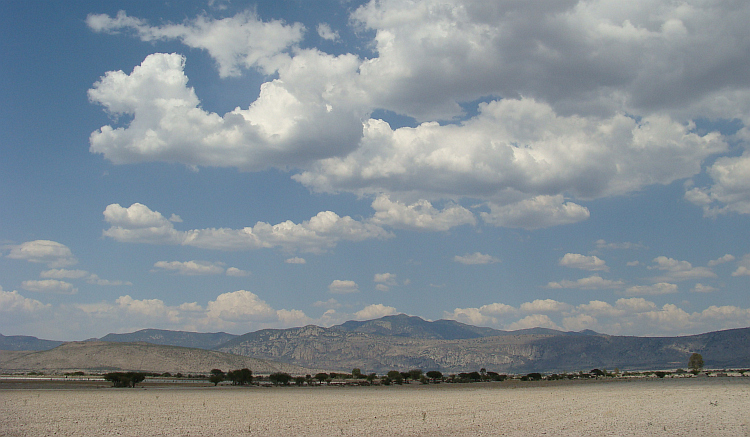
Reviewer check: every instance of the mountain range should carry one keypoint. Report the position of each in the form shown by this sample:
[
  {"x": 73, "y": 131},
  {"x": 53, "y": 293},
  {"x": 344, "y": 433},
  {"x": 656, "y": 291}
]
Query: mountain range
[{"x": 404, "y": 342}]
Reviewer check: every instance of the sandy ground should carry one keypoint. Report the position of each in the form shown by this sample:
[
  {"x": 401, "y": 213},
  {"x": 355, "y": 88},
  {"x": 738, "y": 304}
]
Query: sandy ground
[{"x": 691, "y": 407}]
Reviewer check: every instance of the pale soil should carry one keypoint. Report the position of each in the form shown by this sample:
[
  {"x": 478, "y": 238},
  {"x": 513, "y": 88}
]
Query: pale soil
[{"x": 689, "y": 407}]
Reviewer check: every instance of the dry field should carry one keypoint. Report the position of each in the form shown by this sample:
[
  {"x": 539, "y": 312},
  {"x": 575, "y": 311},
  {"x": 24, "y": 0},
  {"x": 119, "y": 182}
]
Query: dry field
[{"x": 688, "y": 407}]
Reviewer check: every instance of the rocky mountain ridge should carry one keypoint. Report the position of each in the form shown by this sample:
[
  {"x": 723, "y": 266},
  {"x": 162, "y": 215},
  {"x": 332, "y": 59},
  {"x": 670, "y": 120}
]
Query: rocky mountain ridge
[{"x": 404, "y": 342}]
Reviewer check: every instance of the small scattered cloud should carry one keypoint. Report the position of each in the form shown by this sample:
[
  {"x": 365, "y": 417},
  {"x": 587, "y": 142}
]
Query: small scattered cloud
[
  {"x": 538, "y": 212},
  {"x": 385, "y": 281},
  {"x": 385, "y": 278},
  {"x": 374, "y": 311},
  {"x": 603, "y": 244},
  {"x": 53, "y": 286},
  {"x": 594, "y": 282},
  {"x": 330, "y": 303},
  {"x": 545, "y": 306},
  {"x": 11, "y": 302},
  {"x": 96, "y": 280},
  {"x": 325, "y": 32},
  {"x": 339, "y": 286},
  {"x": 475, "y": 259},
  {"x": 583, "y": 262},
  {"x": 651, "y": 290},
  {"x": 633, "y": 263},
  {"x": 420, "y": 215},
  {"x": 139, "y": 224},
  {"x": 534, "y": 321},
  {"x": 679, "y": 270},
  {"x": 239, "y": 273},
  {"x": 240, "y": 306},
  {"x": 295, "y": 260},
  {"x": 91, "y": 278},
  {"x": 743, "y": 267},
  {"x": 724, "y": 259},
  {"x": 700, "y": 288},
  {"x": 63, "y": 274},
  {"x": 52, "y": 253},
  {"x": 191, "y": 267}
]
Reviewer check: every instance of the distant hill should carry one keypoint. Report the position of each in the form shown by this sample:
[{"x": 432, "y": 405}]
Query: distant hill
[
  {"x": 26, "y": 343},
  {"x": 173, "y": 338},
  {"x": 96, "y": 356}
]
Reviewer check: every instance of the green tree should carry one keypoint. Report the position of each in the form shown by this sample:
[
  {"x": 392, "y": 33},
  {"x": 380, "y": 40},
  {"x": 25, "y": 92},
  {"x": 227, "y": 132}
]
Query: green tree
[
  {"x": 321, "y": 377},
  {"x": 695, "y": 363},
  {"x": 216, "y": 376},
  {"x": 125, "y": 379},
  {"x": 357, "y": 373},
  {"x": 434, "y": 375},
  {"x": 280, "y": 378},
  {"x": 415, "y": 374},
  {"x": 240, "y": 377},
  {"x": 395, "y": 377}
]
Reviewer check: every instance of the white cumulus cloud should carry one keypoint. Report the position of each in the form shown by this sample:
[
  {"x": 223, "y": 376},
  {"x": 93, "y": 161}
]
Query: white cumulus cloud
[
  {"x": 374, "y": 311},
  {"x": 583, "y": 262},
  {"x": 139, "y": 224},
  {"x": 339, "y": 286},
  {"x": 48, "y": 252}
]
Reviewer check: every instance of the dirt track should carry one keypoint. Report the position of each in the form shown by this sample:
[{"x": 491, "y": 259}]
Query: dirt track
[{"x": 693, "y": 407}]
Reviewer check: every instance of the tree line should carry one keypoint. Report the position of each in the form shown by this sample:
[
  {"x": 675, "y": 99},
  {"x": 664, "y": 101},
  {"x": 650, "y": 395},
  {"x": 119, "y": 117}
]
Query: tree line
[{"x": 245, "y": 376}]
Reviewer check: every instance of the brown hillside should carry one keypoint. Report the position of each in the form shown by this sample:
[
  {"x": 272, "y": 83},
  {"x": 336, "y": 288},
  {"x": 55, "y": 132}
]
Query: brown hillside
[{"x": 99, "y": 356}]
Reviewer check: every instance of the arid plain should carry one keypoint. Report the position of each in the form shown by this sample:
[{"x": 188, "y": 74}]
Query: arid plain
[{"x": 674, "y": 407}]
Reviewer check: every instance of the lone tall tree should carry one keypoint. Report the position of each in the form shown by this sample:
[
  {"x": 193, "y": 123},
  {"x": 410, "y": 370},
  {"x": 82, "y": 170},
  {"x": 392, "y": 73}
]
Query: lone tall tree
[{"x": 695, "y": 363}]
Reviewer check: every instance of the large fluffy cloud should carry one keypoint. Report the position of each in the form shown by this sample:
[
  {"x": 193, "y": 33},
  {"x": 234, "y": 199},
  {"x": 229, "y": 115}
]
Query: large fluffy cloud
[
  {"x": 593, "y": 56},
  {"x": 283, "y": 127},
  {"x": 242, "y": 41},
  {"x": 515, "y": 149},
  {"x": 581, "y": 100}
]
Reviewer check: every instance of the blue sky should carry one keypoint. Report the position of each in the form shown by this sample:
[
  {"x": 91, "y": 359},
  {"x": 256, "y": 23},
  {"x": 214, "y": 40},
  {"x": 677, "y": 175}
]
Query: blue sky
[{"x": 217, "y": 165}]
